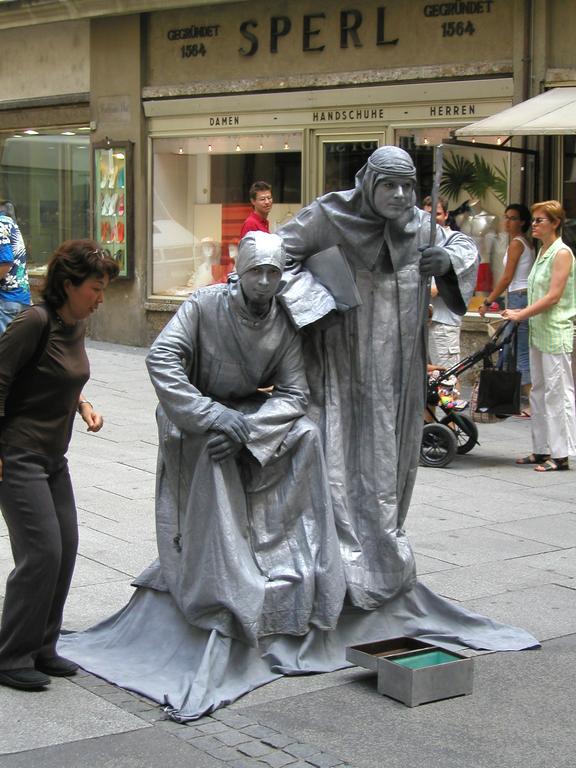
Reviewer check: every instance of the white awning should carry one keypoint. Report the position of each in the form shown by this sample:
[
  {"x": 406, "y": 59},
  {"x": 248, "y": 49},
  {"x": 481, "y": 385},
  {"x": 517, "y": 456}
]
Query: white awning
[{"x": 552, "y": 112}]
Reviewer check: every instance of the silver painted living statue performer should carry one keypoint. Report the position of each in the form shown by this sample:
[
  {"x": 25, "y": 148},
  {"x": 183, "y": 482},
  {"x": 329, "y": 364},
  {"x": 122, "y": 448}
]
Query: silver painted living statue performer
[
  {"x": 270, "y": 557},
  {"x": 246, "y": 537},
  {"x": 367, "y": 369}
]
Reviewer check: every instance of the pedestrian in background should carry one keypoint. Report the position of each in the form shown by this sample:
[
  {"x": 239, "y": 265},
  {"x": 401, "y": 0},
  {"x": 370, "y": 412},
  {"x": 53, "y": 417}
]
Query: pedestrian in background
[
  {"x": 43, "y": 368},
  {"x": 14, "y": 285},
  {"x": 551, "y": 309},
  {"x": 260, "y": 194},
  {"x": 518, "y": 261}
]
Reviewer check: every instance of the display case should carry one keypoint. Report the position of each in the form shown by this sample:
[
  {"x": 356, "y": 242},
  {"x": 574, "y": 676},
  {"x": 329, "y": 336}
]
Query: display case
[{"x": 112, "y": 201}]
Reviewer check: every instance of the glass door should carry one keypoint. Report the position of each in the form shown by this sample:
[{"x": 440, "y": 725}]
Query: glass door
[{"x": 340, "y": 156}]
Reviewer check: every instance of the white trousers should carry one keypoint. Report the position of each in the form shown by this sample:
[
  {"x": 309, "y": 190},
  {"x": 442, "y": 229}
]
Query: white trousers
[{"x": 552, "y": 404}]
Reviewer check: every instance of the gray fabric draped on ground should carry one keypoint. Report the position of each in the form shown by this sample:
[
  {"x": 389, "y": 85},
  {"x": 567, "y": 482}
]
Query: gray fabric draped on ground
[{"x": 150, "y": 648}]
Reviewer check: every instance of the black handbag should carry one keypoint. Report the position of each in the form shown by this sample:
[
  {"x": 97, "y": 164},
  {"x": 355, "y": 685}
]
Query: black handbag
[{"x": 499, "y": 389}]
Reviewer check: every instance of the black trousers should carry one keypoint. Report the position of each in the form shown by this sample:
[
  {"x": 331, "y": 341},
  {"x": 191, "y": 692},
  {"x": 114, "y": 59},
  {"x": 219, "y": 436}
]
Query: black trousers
[{"x": 38, "y": 506}]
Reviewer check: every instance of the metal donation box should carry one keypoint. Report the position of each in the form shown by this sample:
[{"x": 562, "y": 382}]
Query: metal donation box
[{"x": 414, "y": 672}]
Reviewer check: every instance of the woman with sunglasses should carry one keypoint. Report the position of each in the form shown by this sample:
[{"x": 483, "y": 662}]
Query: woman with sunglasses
[
  {"x": 550, "y": 311},
  {"x": 518, "y": 261},
  {"x": 43, "y": 368}
]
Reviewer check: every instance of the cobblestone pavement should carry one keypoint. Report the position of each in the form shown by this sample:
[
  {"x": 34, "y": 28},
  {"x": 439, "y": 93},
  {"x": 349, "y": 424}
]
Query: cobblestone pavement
[{"x": 237, "y": 740}]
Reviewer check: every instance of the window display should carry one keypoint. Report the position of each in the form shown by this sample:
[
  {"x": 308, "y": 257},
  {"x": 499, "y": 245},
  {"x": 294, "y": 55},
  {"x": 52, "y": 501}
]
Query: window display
[
  {"x": 200, "y": 193},
  {"x": 112, "y": 201},
  {"x": 45, "y": 173}
]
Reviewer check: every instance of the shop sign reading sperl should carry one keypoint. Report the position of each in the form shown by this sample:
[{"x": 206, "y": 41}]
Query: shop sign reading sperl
[{"x": 353, "y": 30}]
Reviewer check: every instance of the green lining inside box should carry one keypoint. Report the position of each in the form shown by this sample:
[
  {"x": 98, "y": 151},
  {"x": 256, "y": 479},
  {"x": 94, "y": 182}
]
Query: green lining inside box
[{"x": 427, "y": 658}]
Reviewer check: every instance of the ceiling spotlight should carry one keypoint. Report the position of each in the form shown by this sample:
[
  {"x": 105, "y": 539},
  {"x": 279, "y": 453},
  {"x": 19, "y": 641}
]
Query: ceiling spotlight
[
  {"x": 286, "y": 145},
  {"x": 261, "y": 147},
  {"x": 210, "y": 147},
  {"x": 31, "y": 132},
  {"x": 238, "y": 149},
  {"x": 426, "y": 140},
  {"x": 180, "y": 151},
  {"x": 68, "y": 133}
]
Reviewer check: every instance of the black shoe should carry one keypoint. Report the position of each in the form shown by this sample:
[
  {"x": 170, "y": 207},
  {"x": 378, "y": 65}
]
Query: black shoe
[
  {"x": 26, "y": 679},
  {"x": 56, "y": 666}
]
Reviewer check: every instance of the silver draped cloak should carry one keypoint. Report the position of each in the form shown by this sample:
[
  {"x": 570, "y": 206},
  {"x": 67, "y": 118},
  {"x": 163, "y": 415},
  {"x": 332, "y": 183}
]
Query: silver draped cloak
[
  {"x": 246, "y": 546},
  {"x": 366, "y": 371}
]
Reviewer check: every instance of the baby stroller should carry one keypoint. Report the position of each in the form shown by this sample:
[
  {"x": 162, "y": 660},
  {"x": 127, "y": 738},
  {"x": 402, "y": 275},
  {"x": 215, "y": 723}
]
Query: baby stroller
[{"x": 455, "y": 432}]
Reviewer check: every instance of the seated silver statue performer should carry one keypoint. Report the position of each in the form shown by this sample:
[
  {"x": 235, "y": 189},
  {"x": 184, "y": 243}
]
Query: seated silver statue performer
[{"x": 246, "y": 536}]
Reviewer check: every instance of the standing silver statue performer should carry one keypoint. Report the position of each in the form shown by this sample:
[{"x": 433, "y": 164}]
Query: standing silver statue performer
[{"x": 367, "y": 370}]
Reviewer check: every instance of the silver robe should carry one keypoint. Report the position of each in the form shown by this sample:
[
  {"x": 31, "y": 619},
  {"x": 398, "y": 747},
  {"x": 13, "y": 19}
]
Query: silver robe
[
  {"x": 367, "y": 376},
  {"x": 247, "y": 546}
]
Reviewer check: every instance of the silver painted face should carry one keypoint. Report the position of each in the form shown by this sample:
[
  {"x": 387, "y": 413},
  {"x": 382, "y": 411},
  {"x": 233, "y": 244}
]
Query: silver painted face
[
  {"x": 393, "y": 195},
  {"x": 260, "y": 283}
]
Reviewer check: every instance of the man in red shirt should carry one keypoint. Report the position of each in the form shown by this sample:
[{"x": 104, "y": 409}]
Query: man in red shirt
[{"x": 261, "y": 200}]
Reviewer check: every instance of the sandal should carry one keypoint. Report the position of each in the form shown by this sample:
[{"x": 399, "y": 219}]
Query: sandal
[
  {"x": 534, "y": 458},
  {"x": 553, "y": 465}
]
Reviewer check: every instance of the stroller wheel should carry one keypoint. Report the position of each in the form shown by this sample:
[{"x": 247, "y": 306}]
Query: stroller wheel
[
  {"x": 465, "y": 430},
  {"x": 439, "y": 445}
]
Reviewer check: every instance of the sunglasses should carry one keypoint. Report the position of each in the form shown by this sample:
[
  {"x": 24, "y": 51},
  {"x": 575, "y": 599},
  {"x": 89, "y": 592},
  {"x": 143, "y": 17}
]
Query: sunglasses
[{"x": 539, "y": 220}]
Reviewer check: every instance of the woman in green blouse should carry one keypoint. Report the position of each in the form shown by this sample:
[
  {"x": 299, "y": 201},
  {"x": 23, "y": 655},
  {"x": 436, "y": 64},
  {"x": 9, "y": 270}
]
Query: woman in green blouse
[{"x": 551, "y": 309}]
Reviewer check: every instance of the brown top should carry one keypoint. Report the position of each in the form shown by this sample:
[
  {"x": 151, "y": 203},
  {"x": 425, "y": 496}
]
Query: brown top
[{"x": 38, "y": 403}]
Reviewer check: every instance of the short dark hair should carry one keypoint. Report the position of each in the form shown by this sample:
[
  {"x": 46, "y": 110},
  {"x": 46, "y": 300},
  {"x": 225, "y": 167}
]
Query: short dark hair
[
  {"x": 442, "y": 200},
  {"x": 75, "y": 260},
  {"x": 259, "y": 186},
  {"x": 7, "y": 207},
  {"x": 523, "y": 213}
]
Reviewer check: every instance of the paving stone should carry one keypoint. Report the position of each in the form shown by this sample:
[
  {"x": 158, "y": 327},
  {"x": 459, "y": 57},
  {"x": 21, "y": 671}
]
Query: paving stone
[
  {"x": 259, "y": 731},
  {"x": 278, "y": 740},
  {"x": 226, "y": 754},
  {"x": 302, "y": 750},
  {"x": 232, "y": 719},
  {"x": 325, "y": 760},
  {"x": 199, "y": 721},
  {"x": 137, "y": 707},
  {"x": 278, "y": 759},
  {"x": 170, "y": 725},
  {"x": 231, "y": 737},
  {"x": 247, "y": 762},
  {"x": 254, "y": 749},
  {"x": 300, "y": 764},
  {"x": 213, "y": 727},
  {"x": 206, "y": 742},
  {"x": 152, "y": 715}
]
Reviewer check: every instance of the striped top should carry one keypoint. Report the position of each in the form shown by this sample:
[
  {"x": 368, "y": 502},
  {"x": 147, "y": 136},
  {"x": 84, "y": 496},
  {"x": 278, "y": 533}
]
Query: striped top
[{"x": 551, "y": 331}]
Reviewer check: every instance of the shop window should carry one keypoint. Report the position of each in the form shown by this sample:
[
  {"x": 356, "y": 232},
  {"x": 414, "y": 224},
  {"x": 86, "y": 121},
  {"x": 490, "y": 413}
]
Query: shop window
[
  {"x": 569, "y": 191},
  {"x": 200, "y": 200},
  {"x": 46, "y": 175},
  {"x": 342, "y": 161}
]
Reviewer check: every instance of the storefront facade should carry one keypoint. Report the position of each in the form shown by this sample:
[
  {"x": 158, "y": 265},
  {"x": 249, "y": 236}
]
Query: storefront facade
[{"x": 194, "y": 103}]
